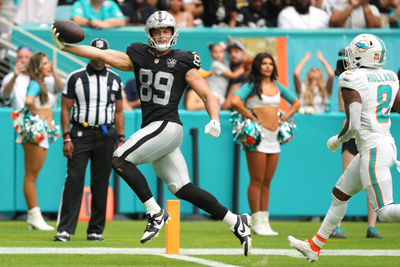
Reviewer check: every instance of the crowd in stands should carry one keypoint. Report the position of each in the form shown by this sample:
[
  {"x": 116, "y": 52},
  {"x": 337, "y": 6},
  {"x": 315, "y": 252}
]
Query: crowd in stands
[{"x": 303, "y": 14}]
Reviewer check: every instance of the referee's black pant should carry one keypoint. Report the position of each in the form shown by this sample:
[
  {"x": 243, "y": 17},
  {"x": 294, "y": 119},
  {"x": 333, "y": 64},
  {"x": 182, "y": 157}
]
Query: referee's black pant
[{"x": 89, "y": 143}]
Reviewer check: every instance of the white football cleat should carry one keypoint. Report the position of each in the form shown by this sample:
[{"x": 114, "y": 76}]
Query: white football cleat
[
  {"x": 304, "y": 248},
  {"x": 242, "y": 231},
  {"x": 154, "y": 225}
]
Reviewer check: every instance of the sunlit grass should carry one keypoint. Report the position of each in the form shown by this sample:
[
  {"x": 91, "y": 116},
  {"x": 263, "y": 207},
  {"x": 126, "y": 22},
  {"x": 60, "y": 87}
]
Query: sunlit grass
[{"x": 199, "y": 234}]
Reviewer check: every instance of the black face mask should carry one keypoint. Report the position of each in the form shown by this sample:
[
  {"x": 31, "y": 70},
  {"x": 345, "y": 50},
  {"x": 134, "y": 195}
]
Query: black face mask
[{"x": 302, "y": 9}]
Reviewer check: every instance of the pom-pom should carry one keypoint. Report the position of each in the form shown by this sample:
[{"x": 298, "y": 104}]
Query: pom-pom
[
  {"x": 286, "y": 131},
  {"x": 246, "y": 133},
  {"x": 31, "y": 128}
]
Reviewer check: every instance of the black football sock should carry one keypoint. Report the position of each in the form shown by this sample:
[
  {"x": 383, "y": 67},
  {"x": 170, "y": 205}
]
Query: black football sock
[{"x": 202, "y": 199}]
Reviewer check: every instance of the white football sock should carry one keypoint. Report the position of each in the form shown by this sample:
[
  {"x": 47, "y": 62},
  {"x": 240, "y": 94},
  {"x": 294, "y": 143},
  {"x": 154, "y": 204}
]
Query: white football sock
[
  {"x": 230, "y": 218},
  {"x": 151, "y": 206},
  {"x": 333, "y": 217}
]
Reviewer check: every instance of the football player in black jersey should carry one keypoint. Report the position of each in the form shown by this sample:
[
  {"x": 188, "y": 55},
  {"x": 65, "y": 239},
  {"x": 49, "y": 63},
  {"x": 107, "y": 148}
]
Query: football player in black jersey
[{"x": 162, "y": 75}]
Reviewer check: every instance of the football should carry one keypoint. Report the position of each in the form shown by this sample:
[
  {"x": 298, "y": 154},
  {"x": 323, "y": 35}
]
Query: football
[{"x": 69, "y": 31}]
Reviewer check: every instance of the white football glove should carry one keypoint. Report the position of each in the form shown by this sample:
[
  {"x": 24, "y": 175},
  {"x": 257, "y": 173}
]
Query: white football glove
[
  {"x": 333, "y": 143},
  {"x": 54, "y": 35},
  {"x": 213, "y": 128}
]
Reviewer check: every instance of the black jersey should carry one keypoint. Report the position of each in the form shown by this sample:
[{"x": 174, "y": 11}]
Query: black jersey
[{"x": 161, "y": 80}]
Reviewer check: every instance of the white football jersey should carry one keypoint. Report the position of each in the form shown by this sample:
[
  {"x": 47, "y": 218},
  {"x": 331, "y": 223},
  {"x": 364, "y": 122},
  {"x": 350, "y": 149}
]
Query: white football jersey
[{"x": 378, "y": 89}]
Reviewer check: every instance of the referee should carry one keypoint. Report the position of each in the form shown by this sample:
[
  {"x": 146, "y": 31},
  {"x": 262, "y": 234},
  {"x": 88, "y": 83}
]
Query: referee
[{"x": 94, "y": 95}]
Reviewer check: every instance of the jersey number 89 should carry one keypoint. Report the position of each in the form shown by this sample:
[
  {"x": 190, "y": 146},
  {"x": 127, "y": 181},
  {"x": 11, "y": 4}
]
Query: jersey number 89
[{"x": 162, "y": 84}]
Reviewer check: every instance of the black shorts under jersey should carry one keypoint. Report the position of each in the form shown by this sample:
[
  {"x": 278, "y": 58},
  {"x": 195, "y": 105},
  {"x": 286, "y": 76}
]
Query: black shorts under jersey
[{"x": 350, "y": 146}]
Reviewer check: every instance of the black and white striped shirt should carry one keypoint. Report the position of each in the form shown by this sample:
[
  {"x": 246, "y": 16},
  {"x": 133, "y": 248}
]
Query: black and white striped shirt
[{"x": 94, "y": 94}]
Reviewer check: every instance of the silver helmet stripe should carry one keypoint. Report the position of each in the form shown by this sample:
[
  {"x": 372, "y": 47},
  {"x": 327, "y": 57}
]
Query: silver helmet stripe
[{"x": 161, "y": 19}]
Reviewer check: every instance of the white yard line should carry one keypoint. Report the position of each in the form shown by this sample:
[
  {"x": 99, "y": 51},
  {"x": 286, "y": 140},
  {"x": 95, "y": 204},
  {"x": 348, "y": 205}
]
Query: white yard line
[
  {"x": 194, "y": 251},
  {"x": 183, "y": 253},
  {"x": 199, "y": 260}
]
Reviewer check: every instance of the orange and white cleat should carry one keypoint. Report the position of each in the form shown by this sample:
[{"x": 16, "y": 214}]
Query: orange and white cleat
[{"x": 304, "y": 248}]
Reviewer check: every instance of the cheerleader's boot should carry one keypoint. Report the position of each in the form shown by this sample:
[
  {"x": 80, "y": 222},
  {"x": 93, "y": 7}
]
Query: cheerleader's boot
[
  {"x": 257, "y": 224},
  {"x": 267, "y": 228},
  {"x": 35, "y": 220}
]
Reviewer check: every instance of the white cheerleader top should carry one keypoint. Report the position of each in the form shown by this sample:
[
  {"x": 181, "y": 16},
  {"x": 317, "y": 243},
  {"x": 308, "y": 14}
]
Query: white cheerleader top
[{"x": 248, "y": 94}]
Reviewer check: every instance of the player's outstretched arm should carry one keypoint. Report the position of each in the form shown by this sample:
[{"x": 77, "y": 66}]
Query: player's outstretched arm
[
  {"x": 116, "y": 59},
  {"x": 200, "y": 86}
]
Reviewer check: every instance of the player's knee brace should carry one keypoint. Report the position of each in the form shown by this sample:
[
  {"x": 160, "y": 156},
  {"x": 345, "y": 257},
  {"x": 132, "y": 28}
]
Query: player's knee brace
[{"x": 389, "y": 213}]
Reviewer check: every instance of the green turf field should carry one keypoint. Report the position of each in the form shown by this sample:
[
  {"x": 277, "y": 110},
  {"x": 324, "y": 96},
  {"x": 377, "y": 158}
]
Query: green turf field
[{"x": 206, "y": 243}]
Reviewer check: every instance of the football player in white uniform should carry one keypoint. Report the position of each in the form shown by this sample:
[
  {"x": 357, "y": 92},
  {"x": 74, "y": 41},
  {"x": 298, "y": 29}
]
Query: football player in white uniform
[
  {"x": 369, "y": 93},
  {"x": 162, "y": 75}
]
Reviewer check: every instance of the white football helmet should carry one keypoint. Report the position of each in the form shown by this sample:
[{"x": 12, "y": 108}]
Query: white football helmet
[
  {"x": 365, "y": 50},
  {"x": 161, "y": 19}
]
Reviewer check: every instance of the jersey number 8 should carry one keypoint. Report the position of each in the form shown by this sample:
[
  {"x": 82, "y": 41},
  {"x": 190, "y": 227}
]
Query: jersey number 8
[
  {"x": 384, "y": 98},
  {"x": 162, "y": 84}
]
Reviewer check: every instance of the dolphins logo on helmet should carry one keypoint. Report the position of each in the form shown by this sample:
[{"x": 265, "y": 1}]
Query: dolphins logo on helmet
[
  {"x": 161, "y": 19},
  {"x": 366, "y": 50}
]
